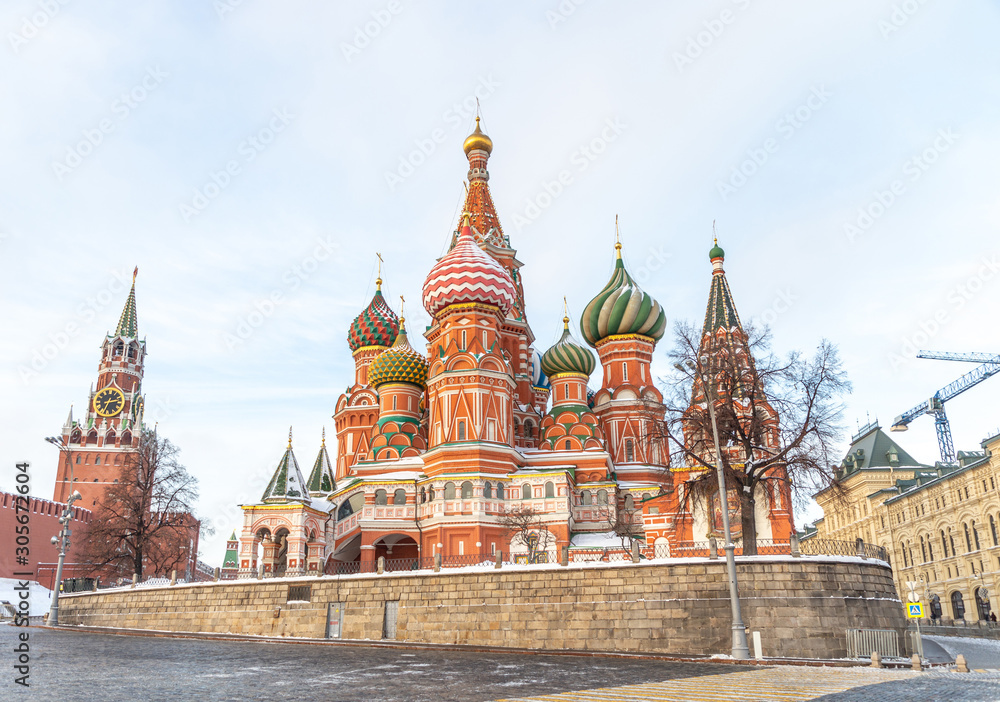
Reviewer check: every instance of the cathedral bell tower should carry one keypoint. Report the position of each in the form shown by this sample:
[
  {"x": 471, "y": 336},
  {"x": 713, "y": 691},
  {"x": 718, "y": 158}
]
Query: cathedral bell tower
[{"x": 112, "y": 423}]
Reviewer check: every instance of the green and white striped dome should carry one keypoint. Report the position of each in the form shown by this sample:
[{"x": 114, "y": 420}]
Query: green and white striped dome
[
  {"x": 567, "y": 356},
  {"x": 622, "y": 307}
]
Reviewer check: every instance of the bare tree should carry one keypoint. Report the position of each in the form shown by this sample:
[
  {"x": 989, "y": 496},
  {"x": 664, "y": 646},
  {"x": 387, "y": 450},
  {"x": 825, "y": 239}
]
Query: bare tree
[
  {"x": 622, "y": 522},
  {"x": 778, "y": 418},
  {"x": 524, "y": 525},
  {"x": 146, "y": 518}
]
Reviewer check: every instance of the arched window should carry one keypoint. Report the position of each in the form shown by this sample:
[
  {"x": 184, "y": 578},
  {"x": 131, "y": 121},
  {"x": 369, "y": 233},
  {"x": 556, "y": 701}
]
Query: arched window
[
  {"x": 568, "y": 445},
  {"x": 930, "y": 549},
  {"x": 906, "y": 564},
  {"x": 381, "y": 498},
  {"x": 529, "y": 428},
  {"x": 975, "y": 534},
  {"x": 500, "y": 491},
  {"x": 423, "y": 495},
  {"x": 461, "y": 431},
  {"x": 951, "y": 540},
  {"x": 923, "y": 550},
  {"x": 629, "y": 451},
  {"x": 449, "y": 491},
  {"x": 629, "y": 502},
  {"x": 399, "y": 497},
  {"x": 97, "y": 460},
  {"x": 345, "y": 510},
  {"x": 550, "y": 489},
  {"x": 586, "y": 497},
  {"x": 430, "y": 494},
  {"x": 109, "y": 438},
  {"x": 565, "y": 389},
  {"x": 92, "y": 437},
  {"x": 78, "y": 459},
  {"x": 76, "y": 437},
  {"x": 133, "y": 351},
  {"x": 993, "y": 529},
  {"x": 488, "y": 490},
  {"x": 957, "y": 605},
  {"x": 118, "y": 348},
  {"x": 466, "y": 490},
  {"x": 602, "y": 497},
  {"x": 525, "y": 492}
]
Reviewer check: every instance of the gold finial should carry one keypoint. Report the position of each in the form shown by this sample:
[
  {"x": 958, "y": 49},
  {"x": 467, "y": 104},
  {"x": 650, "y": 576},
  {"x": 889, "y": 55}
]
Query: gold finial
[
  {"x": 402, "y": 313},
  {"x": 289, "y": 437},
  {"x": 565, "y": 314},
  {"x": 478, "y": 141},
  {"x": 618, "y": 241},
  {"x": 378, "y": 280},
  {"x": 323, "y": 442},
  {"x": 134, "y": 274}
]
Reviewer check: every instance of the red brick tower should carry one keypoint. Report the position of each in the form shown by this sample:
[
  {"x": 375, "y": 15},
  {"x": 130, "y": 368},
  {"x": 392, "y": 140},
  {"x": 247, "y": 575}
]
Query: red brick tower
[{"x": 112, "y": 423}]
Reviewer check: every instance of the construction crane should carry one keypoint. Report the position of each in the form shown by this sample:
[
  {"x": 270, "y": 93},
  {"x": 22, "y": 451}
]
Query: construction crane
[{"x": 989, "y": 365}]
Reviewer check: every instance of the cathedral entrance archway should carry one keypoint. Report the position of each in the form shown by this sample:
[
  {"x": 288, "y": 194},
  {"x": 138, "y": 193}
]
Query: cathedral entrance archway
[{"x": 397, "y": 547}]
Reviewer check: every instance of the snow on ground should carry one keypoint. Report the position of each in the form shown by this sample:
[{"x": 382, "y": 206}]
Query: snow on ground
[
  {"x": 41, "y": 597},
  {"x": 979, "y": 653},
  {"x": 604, "y": 539}
]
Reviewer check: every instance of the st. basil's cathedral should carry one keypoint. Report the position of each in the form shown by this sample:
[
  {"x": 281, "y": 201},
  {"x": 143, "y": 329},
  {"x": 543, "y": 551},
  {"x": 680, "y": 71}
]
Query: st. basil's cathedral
[{"x": 433, "y": 449}]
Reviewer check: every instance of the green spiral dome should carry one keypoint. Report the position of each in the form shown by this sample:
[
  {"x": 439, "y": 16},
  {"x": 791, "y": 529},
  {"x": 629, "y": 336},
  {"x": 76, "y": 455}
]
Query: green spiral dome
[
  {"x": 622, "y": 308},
  {"x": 567, "y": 356}
]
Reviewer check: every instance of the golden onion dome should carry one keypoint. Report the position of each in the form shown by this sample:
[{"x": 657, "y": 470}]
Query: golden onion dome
[{"x": 478, "y": 140}]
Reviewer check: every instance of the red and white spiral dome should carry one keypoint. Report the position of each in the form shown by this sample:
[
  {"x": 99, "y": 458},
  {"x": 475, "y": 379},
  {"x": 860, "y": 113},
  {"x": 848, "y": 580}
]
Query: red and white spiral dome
[{"x": 468, "y": 274}]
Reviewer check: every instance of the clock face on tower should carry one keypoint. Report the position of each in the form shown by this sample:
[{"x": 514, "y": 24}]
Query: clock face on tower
[{"x": 109, "y": 402}]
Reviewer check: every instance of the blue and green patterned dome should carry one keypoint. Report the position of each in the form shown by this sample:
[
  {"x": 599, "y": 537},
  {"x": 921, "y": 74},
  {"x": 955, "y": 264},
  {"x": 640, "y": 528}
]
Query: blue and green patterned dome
[
  {"x": 622, "y": 308},
  {"x": 398, "y": 364},
  {"x": 567, "y": 356}
]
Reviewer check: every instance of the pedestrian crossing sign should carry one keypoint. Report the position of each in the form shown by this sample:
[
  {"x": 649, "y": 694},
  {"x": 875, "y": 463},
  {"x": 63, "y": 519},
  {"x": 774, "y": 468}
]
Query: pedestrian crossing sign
[{"x": 914, "y": 610}]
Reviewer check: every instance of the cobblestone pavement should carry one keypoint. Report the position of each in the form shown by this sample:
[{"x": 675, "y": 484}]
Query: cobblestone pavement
[
  {"x": 980, "y": 654},
  {"x": 790, "y": 683},
  {"x": 69, "y": 666}
]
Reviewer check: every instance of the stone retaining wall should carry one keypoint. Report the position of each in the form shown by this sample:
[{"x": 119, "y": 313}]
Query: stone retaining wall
[{"x": 801, "y": 606}]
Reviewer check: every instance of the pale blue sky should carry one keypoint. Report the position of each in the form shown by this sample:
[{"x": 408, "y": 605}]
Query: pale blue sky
[{"x": 871, "y": 96}]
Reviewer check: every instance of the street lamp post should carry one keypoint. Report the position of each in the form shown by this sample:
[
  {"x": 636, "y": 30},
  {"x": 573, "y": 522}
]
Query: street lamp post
[
  {"x": 740, "y": 649},
  {"x": 63, "y": 541}
]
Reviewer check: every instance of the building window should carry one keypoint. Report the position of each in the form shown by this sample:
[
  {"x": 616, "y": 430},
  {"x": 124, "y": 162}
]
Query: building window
[
  {"x": 525, "y": 492},
  {"x": 466, "y": 490},
  {"x": 464, "y": 343},
  {"x": 957, "y": 605},
  {"x": 905, "y": 563},
  {"x": 77, "y": 459},
  {"x": 423, "y": 495},
  {"x": 550, "y": 489},
  {"x": 629, "y": 451},
  {"x": 923, "y": 550},
  {"x": 399, "y": 497},
  {"x": 488, "y": 489},
  {"x": 430, "y": 494},
  {"x": 993, "y": 529},
  {"x": 461, "y": 431},
  {"x": 567, "y": 445},
  {"x": 602, "y": 497},
  {"x": 629, "y": 502},
  {"x": 97, "y": 460},
  {"x": 500, "y": 491},
  {"x": 565, "y": 389},
  {"x": 975, "y": 534},
  {"x": 381, "y": 498},
  {"x": 968, "y": 541},
  {"x": 394, "y": 402},
  {"x": 449, "y": 491},
  {"x": 930, "y": 549},
  {"x": 951, "y": 540},
  {"x": 625, "y": 372}
]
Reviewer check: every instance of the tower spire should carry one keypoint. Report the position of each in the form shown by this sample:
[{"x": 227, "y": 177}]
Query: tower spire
[
  {"x": 378, "y": 280},
  {"x": 618, "y": 241},
  {"x": 128, "y": 325}
]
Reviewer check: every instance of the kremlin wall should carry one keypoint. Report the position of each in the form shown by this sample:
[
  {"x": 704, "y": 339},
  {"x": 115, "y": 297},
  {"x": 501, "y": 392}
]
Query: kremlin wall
[{"x": 801, "y": 606}]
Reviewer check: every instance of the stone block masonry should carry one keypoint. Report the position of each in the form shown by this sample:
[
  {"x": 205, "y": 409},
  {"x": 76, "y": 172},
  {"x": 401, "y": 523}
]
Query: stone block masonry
[{"x": 801, "y": 606}]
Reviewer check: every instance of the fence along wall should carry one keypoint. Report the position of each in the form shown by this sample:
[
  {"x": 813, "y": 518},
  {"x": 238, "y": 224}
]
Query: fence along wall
[{"x": 801, "y": 606}]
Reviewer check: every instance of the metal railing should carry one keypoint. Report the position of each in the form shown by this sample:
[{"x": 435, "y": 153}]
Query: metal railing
[
  {"x": 769, "y": 547},
  {"x": 861, "y": 643},
  {"x": 605, "y": 555}
]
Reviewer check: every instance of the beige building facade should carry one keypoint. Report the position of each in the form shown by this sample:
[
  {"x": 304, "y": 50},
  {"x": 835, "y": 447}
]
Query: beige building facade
[{"x": 940, "y": 523}]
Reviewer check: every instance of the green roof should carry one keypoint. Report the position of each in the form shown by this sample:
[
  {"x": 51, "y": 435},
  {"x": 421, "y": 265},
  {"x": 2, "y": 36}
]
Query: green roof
[
  {"x": 873, "y": 449},
  {"x": 321, "y": 478},
  {"x": 721, "y": 312},
  {"x": 128, "y": 324},
  {"x": 232, "y": 559},
  {"x": 287, "y": 483}
]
